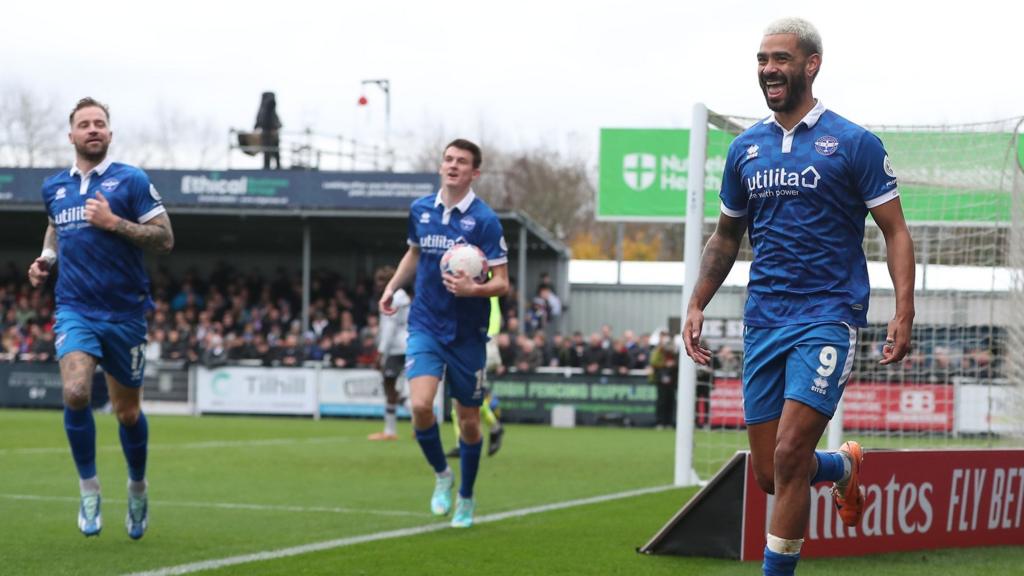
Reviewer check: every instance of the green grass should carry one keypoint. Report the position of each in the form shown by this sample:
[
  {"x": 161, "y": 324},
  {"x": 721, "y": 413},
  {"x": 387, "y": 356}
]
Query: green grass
[{"x": 313, "y": 470}]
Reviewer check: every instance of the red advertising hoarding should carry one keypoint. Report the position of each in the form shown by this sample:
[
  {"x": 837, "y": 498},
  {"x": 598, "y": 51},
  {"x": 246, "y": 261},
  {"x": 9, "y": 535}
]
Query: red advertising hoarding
[
  {"x": 914, "y": 500},
  {"x": 866, "y": 406}
]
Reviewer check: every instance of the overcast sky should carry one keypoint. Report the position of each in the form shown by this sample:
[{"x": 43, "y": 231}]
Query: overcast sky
[{"x": 519, "y": 74}]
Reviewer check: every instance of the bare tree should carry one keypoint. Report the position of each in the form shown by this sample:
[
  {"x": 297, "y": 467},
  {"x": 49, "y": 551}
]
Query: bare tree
[{"x": 30, "y": 129}]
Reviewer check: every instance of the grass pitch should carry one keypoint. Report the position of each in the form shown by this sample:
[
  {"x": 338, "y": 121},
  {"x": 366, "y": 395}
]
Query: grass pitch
[{"x": 229, "y": 487}]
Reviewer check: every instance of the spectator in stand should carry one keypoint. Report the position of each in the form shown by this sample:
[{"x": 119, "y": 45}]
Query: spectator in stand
[
  {"x": 368, "y": 354},
  {"x": 596, "y": 358},
  {"x": 606, "y": 337},
  {"x": 187, "y": 297},
  {"x": 537, "y": 316},
  {"x": 317, "y": 349},
  {"x": 213, "y": 351},
  {"x": 529, "y": 357},
  {"x": 577, "y": 350},
  {"x": 540, "y": 342},
  {"x": 641, "y": 352},
  {"x": 372, "y": 328},
  {"x": 621, "y": 361},
  {"x": 512, "y": 325},
  {"x": 559, "y": 354},
  {"x": 664, "y": 373},
  {"x": 154, "y": 346},
  {"x": 507, "y": 351},
  {"x": 345, "y": 353},
  {"x": 554, "y": 305},
  {"x": 175, "y": 348},
  {"x": 290, "y": 354}
]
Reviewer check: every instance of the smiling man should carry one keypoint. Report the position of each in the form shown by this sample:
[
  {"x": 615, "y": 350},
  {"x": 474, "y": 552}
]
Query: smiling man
[
  {"x": 102, "y": 216},
  {"x": 449, "y": 318},
  {"x": 802, "y": 182}
]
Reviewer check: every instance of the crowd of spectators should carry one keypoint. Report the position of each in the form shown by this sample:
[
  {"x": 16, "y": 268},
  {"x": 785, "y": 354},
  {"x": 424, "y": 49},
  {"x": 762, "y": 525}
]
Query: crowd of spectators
[{"x": 229, "y": 316}]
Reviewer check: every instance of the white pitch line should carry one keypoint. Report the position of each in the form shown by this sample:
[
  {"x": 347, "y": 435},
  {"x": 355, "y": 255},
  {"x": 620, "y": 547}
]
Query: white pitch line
[
  {"x": 390, "y": 534},
  {"x": 234, "y": 506},
  {"x": 188, "y": 445}
]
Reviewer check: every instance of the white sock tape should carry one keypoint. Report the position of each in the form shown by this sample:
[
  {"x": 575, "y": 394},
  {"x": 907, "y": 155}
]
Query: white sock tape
[{"x": 783, "y": 546}]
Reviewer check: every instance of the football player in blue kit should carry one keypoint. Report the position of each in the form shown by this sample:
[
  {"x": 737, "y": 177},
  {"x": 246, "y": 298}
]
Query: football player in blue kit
[
  {"x": 449, "y": 317},
  {"x": 102, "y": 216},
  {"x": 801, "y": 183}
]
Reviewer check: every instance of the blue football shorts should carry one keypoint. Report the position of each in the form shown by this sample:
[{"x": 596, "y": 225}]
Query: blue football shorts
[
  {"x": 459, "y": 364},
  {"x": 808, "y": 363},
  {"x": 119, "y": 346}
]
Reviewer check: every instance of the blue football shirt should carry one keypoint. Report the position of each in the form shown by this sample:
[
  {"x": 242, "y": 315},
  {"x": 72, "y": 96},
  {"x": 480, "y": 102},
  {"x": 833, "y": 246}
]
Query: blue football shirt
[
  {"x": 101, "y": 274},
  {"x": 434, "y": 229},
  {"x": 806, "y": 194}
]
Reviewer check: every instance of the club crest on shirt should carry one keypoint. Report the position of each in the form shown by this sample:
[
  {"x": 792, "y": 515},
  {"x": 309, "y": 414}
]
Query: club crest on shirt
[
  {"x": 109, "y": 184},
  {"x": 467, "y": 223},
  {"x": 826, "y": 145}
]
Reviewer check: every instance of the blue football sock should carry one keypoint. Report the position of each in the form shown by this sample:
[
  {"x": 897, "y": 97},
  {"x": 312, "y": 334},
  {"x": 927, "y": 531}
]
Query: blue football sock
[
  {"x": 830, "y": 466},
  {"x": 469, "y": 458},
  {"x": 81, "y": 430},
  {"x": 134, "y": 441},
  {"x": 776, "y": 564},
  {"x": 430, "y": 443}
]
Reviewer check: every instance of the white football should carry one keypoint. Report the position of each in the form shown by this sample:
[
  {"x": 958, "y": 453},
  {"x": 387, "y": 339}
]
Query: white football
[{"x": 465, "y": 258}]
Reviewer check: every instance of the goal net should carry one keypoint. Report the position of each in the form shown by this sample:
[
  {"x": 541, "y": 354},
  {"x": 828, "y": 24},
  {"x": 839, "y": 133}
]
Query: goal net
[{"x": 962, "y": 384}]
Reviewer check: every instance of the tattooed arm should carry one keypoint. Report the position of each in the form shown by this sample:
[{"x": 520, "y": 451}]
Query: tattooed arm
[
  {"x": 155, "y": 235},
  {"x": 715, "y": 264}
]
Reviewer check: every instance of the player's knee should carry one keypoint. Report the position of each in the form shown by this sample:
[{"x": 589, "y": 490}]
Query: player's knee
[
  {"x": 791, "y": 462},
  {"x": 76, "y": 393},
  {"x": 766, "y": 480},
  {"x": 422, "y": 411},
  {"x": 127, "y": 415},
  {"x": 470, "y": 431}
]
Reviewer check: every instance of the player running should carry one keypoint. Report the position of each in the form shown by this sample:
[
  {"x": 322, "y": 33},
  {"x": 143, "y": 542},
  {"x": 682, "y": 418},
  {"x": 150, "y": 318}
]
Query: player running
[
  {"x": 102, "y": 215},
  {"x": 391, "y": 344},
  {"x": 449, "y": 318},
  {"x": 802, "y": 182}
]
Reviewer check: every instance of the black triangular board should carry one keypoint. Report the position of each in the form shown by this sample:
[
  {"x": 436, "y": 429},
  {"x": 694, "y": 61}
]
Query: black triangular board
[{"x": 711, "y": 523}]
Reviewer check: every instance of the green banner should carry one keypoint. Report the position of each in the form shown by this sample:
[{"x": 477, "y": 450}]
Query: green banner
[
  {"x": 944, "y": 176},
  {"x": 644, "y": 174}
]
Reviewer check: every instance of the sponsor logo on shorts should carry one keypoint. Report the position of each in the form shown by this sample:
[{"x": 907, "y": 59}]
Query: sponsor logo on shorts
[
  {"x": 60, "y": 340},
  {"x": 820, "y": 386}
]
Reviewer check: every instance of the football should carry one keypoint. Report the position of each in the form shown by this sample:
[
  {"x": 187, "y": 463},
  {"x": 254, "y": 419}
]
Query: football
[{"x": 465, "y": 258}]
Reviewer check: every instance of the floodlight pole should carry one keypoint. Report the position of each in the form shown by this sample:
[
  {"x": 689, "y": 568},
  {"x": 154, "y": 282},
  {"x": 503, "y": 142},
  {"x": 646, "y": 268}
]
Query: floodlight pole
[
  {"x": 694, "y": 243},
  {"x": 385, "y": 85}
]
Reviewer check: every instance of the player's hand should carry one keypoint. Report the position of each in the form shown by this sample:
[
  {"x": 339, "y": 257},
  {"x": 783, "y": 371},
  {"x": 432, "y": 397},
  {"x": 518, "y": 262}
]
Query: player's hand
[
  {"x": 691, "y": 337},
  {"x": 897, "y": 340},
  {"x": 385, "y": 302},
  {"x": 38, "y": 272},
  {"x": 98, "y": 213},
  {"x": 460, "y": 285}
]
